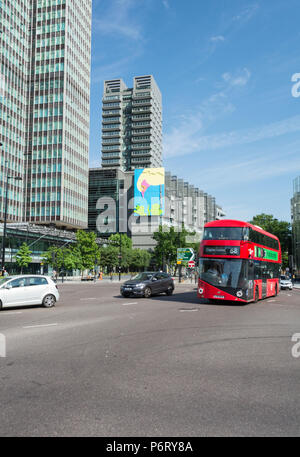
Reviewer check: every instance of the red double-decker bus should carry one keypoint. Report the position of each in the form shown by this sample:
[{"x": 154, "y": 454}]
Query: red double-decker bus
[{"x": 238, "y": 261}]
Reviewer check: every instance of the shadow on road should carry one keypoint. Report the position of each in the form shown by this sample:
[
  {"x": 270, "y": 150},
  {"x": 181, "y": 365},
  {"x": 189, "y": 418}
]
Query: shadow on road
[{"x": 188, "y": 298}]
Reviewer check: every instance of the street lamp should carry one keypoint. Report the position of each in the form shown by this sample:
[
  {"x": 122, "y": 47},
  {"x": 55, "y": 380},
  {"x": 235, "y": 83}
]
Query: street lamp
[
  {"x": 16, "y": 178},
  {"x": 120, "y": 256}
]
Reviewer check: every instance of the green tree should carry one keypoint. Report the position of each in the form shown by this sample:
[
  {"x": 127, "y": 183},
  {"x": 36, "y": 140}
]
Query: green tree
[
  {"x": 87, "y": 249},
  {"x": 126, "y": 248},
  {"x": 109, "y": 257},
  {"x": 140, "y": 259},
  {"x": 63, "y": 258},
  {"x": 168, "y": 240},
  {"x": 281, "y": 229},
  {"x": 126, "y": 242},
  {"x": 23, "y": 256}
]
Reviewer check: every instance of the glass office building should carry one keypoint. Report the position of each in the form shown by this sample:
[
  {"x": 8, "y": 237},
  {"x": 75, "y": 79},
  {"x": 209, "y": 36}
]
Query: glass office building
[
  {"x": 14, "y": 101},
  {"x": 46, "y": 85}
]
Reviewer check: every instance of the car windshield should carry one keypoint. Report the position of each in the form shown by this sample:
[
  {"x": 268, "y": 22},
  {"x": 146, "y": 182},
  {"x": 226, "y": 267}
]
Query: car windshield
[
  {"x": 284, "y": 278},
  {"x": 143, "y": 276},
  {"x": 224, "y": 272},
  {"x": 4, "y": 280}
]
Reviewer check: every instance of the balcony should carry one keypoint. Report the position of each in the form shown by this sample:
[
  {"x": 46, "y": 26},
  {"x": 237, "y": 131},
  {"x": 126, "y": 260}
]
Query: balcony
[
  {"x": 110, "y": 113},
  {"x": 137, "y": 154},
  {"x": 140, "y": 140},
  {"x": 116, "y": 148},
  {"x": 141, "y": 110},
  {"x": 116, "y": 126}
]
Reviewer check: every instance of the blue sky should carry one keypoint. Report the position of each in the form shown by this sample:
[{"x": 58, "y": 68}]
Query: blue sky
[{"x": 230, "y": 123}]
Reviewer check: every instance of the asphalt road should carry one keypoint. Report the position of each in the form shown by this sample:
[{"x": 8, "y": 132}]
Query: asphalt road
[{"x": 101, "y": 365}]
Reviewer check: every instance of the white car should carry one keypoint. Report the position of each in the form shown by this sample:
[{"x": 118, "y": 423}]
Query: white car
[
  {"x": 28, "y": 290},
  {"x": 285, "y": 283}
]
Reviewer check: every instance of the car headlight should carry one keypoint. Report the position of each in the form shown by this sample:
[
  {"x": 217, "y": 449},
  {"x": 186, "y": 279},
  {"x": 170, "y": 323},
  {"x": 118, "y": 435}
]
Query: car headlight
[{"x": 139, "y": 285}]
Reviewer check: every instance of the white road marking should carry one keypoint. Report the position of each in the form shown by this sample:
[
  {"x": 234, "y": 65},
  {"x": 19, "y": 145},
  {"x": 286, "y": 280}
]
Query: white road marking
[
  {"x": 269, "y": 301},
  {"x": 11, "y": 312},
  {"x": 93, "y": 298},
  {"x": 40, "y": 325},
  {"x": 187, "y": 310},
  {"x": 132, "y": 303}
]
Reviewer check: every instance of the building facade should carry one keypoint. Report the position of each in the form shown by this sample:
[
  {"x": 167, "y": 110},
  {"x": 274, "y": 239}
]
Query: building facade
[
  {"x": 131, "y": 124},
  {"x": 111, "y": 205},
  {"x": 15, "y": 44},
  {"x": 295, "y": 218},
  {"x": 45, "y": 103}
]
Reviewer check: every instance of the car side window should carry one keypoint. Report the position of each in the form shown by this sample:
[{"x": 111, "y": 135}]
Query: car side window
[
  {"x": 35, "y": 281},
  {"x": 17, "y": 283},
  {"x": 159, "y": 276}
]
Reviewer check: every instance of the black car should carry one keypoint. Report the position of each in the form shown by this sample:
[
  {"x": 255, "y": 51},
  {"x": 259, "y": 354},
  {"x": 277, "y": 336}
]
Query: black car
[{"x": 148, "y": 283}]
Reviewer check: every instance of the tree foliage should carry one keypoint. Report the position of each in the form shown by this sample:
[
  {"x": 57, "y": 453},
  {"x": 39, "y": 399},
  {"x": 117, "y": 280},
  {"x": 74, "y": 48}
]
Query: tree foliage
[
  {"x": 168, "y": 240},
  {"x": 126, "y": 242},
  {"x": 281, "y": 229},
  {"x": 23, "y": 256},
  {"x": 87, "y": 249},
  {"x": 63, "y": 258}
]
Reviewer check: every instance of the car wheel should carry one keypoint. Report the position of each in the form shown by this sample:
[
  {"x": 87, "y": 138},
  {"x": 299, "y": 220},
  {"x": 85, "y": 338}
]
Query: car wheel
[
  {"x": 49, "y": 301},
  {"x": 170, "y": 290},
  {"x": 148, "y": 292}
]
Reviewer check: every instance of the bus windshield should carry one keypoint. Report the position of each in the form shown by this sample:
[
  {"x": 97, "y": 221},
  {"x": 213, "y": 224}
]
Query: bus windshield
[
  {"x": 223, "y": 233},
  {"x": 224, "y": 272}
]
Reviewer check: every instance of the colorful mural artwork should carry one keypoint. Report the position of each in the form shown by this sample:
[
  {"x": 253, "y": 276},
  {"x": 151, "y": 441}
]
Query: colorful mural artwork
[{"x": 149, "y": 191}]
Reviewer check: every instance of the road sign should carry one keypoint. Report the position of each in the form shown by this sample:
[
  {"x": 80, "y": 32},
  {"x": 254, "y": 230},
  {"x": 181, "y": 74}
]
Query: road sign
[
  {"x": 191, "y": 264},
  {"x": 185, "y": 254}
]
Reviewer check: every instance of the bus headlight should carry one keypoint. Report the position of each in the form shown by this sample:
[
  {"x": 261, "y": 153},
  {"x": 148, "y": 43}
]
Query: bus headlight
[
  {"x": 239, "y": 293},
  {"x": 201, "y": 291}
]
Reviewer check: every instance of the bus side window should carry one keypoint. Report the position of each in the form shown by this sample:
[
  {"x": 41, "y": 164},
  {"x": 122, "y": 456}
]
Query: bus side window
[{"x": 257, "y": 272}]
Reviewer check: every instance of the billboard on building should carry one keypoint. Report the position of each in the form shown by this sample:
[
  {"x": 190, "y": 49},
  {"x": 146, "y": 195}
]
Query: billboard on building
[{"x": 149, "y": 191}]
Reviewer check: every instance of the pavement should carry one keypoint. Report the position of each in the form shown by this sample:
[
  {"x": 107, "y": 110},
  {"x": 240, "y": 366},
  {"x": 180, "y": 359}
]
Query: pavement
[{"x": 101, "y": 365}]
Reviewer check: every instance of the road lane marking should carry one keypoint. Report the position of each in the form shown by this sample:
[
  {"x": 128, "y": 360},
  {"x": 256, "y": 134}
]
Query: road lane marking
[
  {"x": 132, "y": 303},
  {"x": 11, "y": 312},
  {"x": 92, "y": 298},
  {"x": 188, "y": 310},
  {"x": 40, "y": 325}
]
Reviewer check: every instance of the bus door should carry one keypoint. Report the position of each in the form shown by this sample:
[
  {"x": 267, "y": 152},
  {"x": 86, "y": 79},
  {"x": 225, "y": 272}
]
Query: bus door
[
  {"x": 264, "y": 275},
  {"x": 251, "y": 279}
]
